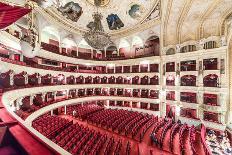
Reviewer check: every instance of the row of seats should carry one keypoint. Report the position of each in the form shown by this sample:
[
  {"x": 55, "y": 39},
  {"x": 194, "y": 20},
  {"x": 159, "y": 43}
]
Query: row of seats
[
  {"x": 210, "y": 80},
  {"x": 147, "y": 126},
  {"x": 186, "y": 136},
  {"x": 124, "y": 122},
  {"x": 86, "y": 55},
  {"x": 29, "y": 105},
  {"x": 78, "y": 139},
  {"x": 50, "y": 125},
  {"x": 73, "y": 68},
  {"x": 82, "y": 111},
  {"x": 10, "y": 80}
]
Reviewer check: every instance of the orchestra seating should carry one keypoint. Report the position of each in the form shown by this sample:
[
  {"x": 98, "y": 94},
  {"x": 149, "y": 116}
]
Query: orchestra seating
[
  {"x": 187, "y": 137},
  {"x": 83, "y": 111},
  {"x": 76, "y": 138},
  {"x": 121, "y": 121},
  {"x": 80, "y": 139}
]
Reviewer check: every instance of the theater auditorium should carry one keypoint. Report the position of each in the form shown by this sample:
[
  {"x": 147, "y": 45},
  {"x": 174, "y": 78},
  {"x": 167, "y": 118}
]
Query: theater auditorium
[{"x": 115, "y": 77}]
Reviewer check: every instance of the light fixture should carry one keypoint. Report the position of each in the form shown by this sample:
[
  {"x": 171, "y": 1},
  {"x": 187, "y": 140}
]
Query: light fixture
[{"x": 96, "y": 37}]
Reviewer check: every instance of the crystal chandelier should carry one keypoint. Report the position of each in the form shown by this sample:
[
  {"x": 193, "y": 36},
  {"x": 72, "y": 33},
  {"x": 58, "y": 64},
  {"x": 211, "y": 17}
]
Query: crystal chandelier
[{"x": 96, "y": 37}]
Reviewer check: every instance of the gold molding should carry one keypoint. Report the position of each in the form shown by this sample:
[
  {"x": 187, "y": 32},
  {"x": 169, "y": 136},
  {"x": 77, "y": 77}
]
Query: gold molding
[
  {"x": 227, "y": 13},
  {"x": 208, "y": 12},
  {"x": 166, "y": 21},
  {"x": 184, "y": 12}
]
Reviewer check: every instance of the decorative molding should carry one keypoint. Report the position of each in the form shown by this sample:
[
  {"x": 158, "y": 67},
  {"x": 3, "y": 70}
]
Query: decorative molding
[
  {"x": 183, "y": 15},
  {"x": 204, "y": 16}
]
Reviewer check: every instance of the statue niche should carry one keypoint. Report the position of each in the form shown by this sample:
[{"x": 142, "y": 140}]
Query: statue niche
[{"x": 71, "y": 10}]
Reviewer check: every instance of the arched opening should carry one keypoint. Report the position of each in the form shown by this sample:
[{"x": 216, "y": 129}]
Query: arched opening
[
  {"x": 84, "y": 50},
  {"x": 111, "y": 52},
  {"x": 50, "y": 39},
  {"x": 50, "y": 35},
  {"x": 124, "y": 48},
  {"x": 69, "y": 47},
  {"x": 188, "y": 48},
  {"x": 152, "y": 46},
  {"x": 170, "y": 51},
  {"x": 210, "y": 45}
]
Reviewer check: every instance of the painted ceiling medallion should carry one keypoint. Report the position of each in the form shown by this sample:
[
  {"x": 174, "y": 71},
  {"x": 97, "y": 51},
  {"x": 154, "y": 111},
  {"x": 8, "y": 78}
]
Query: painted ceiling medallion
[
  {"x": 71, "y": 11},
  {"x": 136, "y": 11},
  {"x": 114, "y": 22},
  {"x": 101, "y": 2}
]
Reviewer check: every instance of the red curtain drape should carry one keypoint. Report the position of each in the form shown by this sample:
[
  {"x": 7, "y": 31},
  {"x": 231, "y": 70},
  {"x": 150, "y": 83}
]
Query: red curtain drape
[{"x": 10, "y": 14}]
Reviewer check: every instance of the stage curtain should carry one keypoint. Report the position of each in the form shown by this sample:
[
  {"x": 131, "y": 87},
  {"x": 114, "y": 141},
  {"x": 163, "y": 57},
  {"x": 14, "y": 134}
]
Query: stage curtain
[{"x": 10, "y": 14}]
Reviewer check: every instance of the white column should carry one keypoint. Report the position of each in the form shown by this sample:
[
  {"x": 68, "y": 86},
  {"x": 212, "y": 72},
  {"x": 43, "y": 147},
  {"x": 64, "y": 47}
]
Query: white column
[
  {"x": 131, "y": 104},
  {"x": 149, "y": 91},
  {"x": 149, "y": 79},
  {"x": 21, "y": 57},
  {"x": 31, "y": 99},
  {"x": 105, "y": 52},
  {"x": 26, "y": 79},
  {"x": 148, "y": 68},
  {"x": 54, "y": 93},
  {"x": 43, "y": 97},
  {"x": 67, "y": 94},
  {"x": 138, "y": 105},
  {"x": 51, "y": 112},
  {"x": 76, "y": 92},
  {"x": 148, "y": 105},
  {"x": 39, "y": 79}
]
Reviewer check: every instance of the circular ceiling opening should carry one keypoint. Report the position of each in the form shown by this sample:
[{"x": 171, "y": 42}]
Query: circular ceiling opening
[{"x": 102, "y": 2}]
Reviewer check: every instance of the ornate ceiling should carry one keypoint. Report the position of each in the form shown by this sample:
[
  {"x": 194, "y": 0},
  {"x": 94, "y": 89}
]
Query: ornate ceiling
[
  {"x": 119, "y": 17},
  {"x": 187, "y": 20},
  {"x": 179, "y": 20}
]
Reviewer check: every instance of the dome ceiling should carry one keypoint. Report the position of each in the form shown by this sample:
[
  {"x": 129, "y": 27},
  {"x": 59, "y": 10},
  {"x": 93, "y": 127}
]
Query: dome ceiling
[{"x": 118, "y": 17}]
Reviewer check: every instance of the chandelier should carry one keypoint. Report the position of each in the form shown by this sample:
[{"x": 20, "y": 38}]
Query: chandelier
[{"x": 95, "y": 36}]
